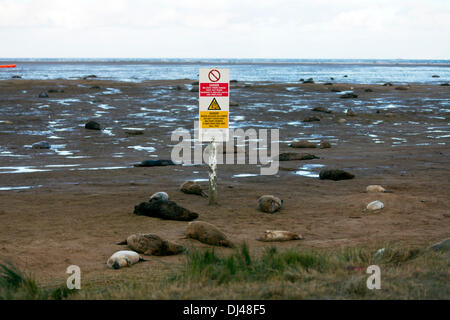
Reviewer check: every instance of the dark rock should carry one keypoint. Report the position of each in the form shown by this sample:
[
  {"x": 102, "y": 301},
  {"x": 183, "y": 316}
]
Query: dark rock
[
  {"x": 167, "y": 210},
  {"x": 345, "y": 76},
  {"x": 331, "y": 78},
  {"x": 348, "y": 95},
  {"x": 289, "y": 156},
  {"x": 311, "y": 119},
  {"x": 325, "y": 145},
  {"x": 43, "y": 95},
  {"x": 335, "y": 175},
  {"x": 302, "y": 144},
  {"x": 92, "y": 125},
  {"x": 321, "y": 109},
  {"x": 155, "y": 163},
  {"x": 41, "y": 145},
  {"x": 368, "y": 90}
]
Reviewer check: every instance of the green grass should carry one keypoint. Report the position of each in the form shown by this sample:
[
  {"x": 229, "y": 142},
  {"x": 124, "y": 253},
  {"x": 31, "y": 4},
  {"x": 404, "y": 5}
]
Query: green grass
[
  {"x": 241, "y": 273},
  {"x": 14, "y": 284}
]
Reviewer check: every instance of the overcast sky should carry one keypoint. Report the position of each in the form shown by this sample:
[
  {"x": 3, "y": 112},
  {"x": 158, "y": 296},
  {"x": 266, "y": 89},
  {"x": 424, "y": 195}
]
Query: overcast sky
[{"x": 413, "y": 29}]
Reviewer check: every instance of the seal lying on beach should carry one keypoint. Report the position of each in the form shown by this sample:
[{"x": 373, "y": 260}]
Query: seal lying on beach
[
  {"x": 207, "y": 233},
  {"x": 159, "y": 196},
  {"x": 191, "y": 187},
  {"x": 375, "y": 205},
  {"x": 124, "y": 258},
  {"x": 375, "y": 188},
  {"x": 288, "y": 156},
  {"x": 151, "y": 244},
  {"x": 168, "y": 210},
  {"x": 302, "y": 144},
  {"x": 269, "y": 203},
  {"x": 279, "y": 235},
  {"x": 335, "y": 175},
  {"x": 155, "y": 163}
]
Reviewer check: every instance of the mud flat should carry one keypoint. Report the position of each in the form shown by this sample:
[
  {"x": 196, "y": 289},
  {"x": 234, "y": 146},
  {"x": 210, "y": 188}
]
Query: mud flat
[{"x": 72, "y": 203}]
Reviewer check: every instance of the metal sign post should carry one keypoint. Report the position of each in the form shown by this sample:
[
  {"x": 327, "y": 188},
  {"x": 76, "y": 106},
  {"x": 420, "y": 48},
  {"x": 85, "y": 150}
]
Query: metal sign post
[{"x": 214, "y": 105}]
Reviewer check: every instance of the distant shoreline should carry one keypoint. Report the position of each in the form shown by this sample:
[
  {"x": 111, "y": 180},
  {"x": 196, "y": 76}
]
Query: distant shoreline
[{"x": 128, "y": 61}]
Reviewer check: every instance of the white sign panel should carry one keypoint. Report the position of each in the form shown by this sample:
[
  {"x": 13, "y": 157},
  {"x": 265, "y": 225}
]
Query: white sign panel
[{"x": 214, "y": 104}]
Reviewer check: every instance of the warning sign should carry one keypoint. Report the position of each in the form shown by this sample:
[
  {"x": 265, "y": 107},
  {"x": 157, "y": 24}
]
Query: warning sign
[
  {"x": 217, "y": 119},
  {"x": 214, "y": 104}
]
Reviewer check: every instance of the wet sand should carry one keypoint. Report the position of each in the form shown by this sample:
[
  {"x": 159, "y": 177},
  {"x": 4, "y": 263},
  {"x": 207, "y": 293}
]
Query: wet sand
[{"x": 72, "y": 203}]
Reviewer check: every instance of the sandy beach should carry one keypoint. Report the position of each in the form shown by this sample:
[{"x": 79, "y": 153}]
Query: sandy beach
[{"x": 72, "y": 203}]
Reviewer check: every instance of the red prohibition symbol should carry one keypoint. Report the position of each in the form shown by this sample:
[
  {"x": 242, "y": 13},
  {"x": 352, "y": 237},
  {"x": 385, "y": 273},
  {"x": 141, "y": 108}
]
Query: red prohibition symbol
[{"x": 214, "y": 75}]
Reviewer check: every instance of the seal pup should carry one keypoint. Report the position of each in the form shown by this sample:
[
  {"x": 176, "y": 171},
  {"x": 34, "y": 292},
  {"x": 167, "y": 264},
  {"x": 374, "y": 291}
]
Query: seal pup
[
  {"x": 159, "y": 196},
  {"x": 207, "y": 233},
  {"x": 375, "y": 205},
  {"x": 168, "y": 210},
  {"x": 279, "y": 235},
  {"x": 269, "y": 203},
  {"x": 191, "y": 187},
  {"x": 124, "y": 258},
  {"x": 152, "y": 244},
  {"x": 375, "y": 188}
]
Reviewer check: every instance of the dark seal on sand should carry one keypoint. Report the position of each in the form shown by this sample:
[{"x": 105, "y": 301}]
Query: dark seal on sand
[
  {"x": 155, "y": 163},
  {"x": 321, "y": 109},
  {"x": 288, "y": 156},
  {"x": 152, "y": 244},
  {"x": 191, "y": 187},
  {"x": 41, "y": 145},
  {"x": 335, "y": 175},
  {"x": 93, "y": 125},
  {"x": 311, "y": 119},
  {"x": 302, "y": 144},
  {"x": 348, "y": 96},
  {"x": 167, "y": 210},
  {"x": 43, "y": 95}
]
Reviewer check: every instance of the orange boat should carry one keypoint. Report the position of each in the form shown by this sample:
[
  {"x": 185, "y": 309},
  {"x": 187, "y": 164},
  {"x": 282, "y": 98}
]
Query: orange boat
[{"x": 7, "y": 65}]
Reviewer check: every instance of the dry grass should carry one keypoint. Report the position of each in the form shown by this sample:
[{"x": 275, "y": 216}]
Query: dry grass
[{"x": 406, "y": 273}]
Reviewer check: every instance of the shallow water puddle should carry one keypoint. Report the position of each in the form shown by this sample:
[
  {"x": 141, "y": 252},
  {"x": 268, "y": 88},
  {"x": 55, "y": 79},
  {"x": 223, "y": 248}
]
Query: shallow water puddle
[
  {"x": 21, "y": 169},
  {"x": 19, "y": 188},
  {"x": 307, "y": 170},
  {"x": 245, "y": 175},
  {"x": 141, "y": 148}
]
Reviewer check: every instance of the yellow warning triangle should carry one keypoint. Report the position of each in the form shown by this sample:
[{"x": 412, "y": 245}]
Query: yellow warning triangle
[{"x": 214, "y": 105}]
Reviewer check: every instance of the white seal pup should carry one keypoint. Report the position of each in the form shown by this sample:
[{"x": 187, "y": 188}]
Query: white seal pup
[
  {"x": 160, "y": 196},
  {"x": 375, "y": 205},
  {"x": 124, "y": 258},
  {"x": 375, "y": 188},
  {"x": 279, "y": 235},
  {"x": 269, "y": 203}
]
